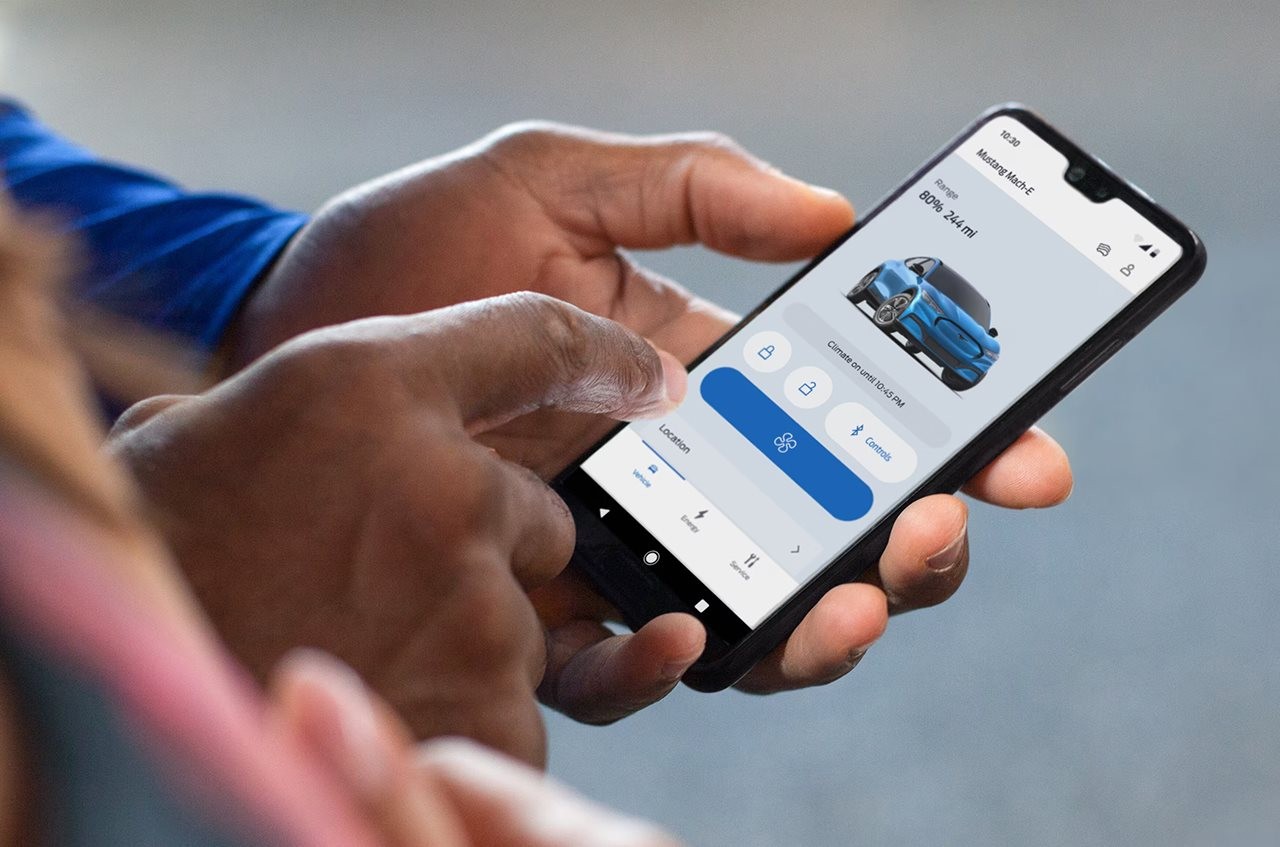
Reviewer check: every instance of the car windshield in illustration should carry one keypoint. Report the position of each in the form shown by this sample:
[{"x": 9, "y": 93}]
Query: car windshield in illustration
[{"x": 937, "y": 313}]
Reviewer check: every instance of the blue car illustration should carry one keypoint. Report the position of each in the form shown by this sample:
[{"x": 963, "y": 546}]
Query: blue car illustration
[{"x": 937, "y": 311}]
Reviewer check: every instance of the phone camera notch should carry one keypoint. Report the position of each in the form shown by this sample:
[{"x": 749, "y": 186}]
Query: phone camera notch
[{"x": 1091, "y": 182}]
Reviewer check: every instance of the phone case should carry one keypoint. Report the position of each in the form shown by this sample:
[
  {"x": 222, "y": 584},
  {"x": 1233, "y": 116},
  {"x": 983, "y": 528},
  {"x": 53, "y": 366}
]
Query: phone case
[{"x": 639, "y": 596}]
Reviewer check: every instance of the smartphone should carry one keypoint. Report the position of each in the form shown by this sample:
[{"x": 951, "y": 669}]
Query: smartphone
[{"x": 895, "y": 365}]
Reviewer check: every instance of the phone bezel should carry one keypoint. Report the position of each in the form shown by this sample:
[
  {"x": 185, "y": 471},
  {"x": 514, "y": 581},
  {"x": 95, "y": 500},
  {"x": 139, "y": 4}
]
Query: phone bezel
[{"x": 723, "y": 663}]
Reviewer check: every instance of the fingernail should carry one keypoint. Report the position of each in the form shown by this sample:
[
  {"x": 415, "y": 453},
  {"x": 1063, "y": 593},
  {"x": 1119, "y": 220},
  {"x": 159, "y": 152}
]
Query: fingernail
[
  {"x": 675, "y": 669},
  {"x": 951, "y": 555},
  {"x": 855, "y": 656},
  {"x": 672, "y": 671},
  {"x": 675, "y": 378},
  {"x": 824, "y": 193}
]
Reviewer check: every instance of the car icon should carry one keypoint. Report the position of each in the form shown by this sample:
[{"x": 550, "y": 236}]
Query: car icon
[{"x": 938, "y": 312}]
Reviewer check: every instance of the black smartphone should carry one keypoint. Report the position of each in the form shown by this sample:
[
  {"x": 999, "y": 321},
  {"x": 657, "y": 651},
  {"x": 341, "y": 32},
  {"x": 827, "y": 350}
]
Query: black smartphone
[{"x": 895, "y": 365}]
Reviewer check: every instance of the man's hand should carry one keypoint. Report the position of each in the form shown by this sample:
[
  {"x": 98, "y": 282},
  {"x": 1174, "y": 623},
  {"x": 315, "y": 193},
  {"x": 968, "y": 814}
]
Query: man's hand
[
  {"x": 334, "y": 494},
  {"x": 546, "y": 209},
  {"x": 550, "y": 209}
]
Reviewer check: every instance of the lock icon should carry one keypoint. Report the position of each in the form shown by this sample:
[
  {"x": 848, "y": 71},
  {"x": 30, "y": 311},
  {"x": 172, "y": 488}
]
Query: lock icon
[
  {"x": 764, "y": 352},
  {"x": 807, "y": 388}
]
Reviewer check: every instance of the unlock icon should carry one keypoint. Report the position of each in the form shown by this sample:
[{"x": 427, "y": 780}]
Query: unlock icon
[
  {"x": 808, "y": 387},
  {"x": 766, "y": 352}
]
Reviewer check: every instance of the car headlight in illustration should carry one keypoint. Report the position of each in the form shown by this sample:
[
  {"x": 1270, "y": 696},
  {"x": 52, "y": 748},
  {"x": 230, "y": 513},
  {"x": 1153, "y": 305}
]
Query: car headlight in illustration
[{"x": 937, "y": 312}]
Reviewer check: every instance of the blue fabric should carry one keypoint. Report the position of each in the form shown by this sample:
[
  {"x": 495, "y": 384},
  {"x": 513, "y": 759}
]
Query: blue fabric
[{"x": 173, "y": 260}]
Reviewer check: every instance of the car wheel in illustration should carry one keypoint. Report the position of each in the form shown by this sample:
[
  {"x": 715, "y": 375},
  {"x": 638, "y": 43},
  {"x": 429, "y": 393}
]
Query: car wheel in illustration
[
  {"x": 886, "y": 317},
  {"x": 859, "y": 291},
  {"x": 955, "y": 382}
]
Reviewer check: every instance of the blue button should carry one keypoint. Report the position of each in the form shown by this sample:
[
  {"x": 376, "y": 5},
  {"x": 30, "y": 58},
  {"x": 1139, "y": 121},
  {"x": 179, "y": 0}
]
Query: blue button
[{"x": 776, "y": 434}]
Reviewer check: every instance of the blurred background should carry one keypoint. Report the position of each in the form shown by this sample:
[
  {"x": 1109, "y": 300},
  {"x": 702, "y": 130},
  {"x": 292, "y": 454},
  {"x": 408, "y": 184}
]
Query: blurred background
[{"x": 1110, "y": 672}]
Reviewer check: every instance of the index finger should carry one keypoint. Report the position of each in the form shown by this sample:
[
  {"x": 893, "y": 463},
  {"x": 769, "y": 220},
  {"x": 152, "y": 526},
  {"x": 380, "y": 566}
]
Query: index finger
[{"x": 507, "y": 356}]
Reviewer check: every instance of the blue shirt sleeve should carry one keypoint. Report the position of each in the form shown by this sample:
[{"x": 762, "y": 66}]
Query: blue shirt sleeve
[{"x": 173, "y": 260}]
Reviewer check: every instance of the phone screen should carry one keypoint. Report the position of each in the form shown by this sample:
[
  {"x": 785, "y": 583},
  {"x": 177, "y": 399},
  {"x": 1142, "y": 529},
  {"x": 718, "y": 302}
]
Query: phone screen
[{"x": 870, "y": 372}]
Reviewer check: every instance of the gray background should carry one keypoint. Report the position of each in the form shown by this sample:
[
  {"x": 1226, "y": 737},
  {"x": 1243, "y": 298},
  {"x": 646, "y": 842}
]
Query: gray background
[{"x": 1108, "y": 674}]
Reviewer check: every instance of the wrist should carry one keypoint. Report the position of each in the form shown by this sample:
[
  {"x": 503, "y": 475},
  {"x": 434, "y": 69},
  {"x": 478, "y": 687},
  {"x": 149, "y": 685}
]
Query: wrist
[{"x": 240, "y": 342}]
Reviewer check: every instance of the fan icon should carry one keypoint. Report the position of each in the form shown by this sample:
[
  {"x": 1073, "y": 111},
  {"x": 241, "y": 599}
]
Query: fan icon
[{"x": 785, "y": 442}]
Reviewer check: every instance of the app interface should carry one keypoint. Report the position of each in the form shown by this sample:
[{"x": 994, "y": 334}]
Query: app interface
[{"x": 873, "y": 370}]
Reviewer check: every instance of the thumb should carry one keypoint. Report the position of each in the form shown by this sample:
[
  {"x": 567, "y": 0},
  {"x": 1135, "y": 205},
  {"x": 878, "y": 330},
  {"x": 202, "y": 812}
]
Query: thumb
[{"x": 648, "y": 192}]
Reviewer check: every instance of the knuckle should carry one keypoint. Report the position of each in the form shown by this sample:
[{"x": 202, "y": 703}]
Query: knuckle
[
  {"x": 523, "y": 138},
  {"x": 639, "y": 370},
  {"x": 557, "y": 534},
  {"x": 585, "y": 351},
  {"x": 564, "y": 532},
  {"x": 641, "y": 379},
  {"x": 333, "y": 364},
  {"x": 476, "y": 499},
  {"x": 716, "y": 142},
  {"x": 502, "y": 630},
  {"x": 141, "y": 412},
  {"x": 541, "y": 307},
  {"x": 563, "y": 331}
]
